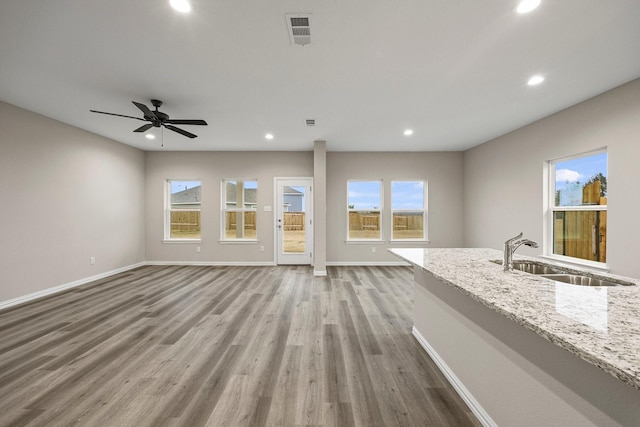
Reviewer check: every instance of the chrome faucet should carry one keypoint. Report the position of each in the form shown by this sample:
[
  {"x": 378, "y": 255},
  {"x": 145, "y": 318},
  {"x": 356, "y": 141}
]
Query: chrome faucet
[{"x": 510, "y": 247}]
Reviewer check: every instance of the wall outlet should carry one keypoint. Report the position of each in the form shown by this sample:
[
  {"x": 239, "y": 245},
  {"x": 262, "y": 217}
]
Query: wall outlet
[
  {"x": 92, "y": 260},
  {"x": 261, "y": 248},
  {"x": 373, "y": 250},
  {"x": 198, "y": 249},
  {"x": 267, "y": 208}
]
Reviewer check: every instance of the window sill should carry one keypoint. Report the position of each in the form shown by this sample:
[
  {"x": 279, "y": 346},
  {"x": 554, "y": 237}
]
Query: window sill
[
  {"x": 365, "y": 242},
  {"x": 409, "y": 241},
  {"x": 172, "y": 241},
  {"x": 239, "y": 242}
]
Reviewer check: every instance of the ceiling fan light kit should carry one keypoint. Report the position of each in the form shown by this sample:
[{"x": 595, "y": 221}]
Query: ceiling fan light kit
[{"x": 158, "y": 119}]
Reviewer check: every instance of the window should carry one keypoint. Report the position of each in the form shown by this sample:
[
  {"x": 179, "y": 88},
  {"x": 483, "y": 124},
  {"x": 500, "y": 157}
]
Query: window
[
  {"x": 408, "y": 213},
  {"x": 240, "y": 202},
  {"x": 182, "y": 211},
  {"x": 364, "y": 200},
  {"x": 577, "y": 226}
]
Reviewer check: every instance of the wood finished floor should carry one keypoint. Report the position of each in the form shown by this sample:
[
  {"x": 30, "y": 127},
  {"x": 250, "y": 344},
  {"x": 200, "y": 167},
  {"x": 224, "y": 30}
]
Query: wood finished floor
[{"x": 224, "y": 346}]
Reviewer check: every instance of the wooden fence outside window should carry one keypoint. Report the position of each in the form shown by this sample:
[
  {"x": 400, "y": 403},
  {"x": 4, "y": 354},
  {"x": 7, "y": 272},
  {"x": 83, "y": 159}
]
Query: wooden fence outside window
[{"x": 583, "y": 234}]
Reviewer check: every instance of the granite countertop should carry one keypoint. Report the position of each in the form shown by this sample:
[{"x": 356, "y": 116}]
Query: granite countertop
[{"x": 601, "y": 325}]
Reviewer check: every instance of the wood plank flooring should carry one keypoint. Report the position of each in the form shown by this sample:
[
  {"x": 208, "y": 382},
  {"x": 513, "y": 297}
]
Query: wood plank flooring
[{"x": 224, "y": 346}]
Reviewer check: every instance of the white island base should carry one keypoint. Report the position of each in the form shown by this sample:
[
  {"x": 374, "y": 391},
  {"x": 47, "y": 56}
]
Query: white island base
[{"x": 510, "y": 375}]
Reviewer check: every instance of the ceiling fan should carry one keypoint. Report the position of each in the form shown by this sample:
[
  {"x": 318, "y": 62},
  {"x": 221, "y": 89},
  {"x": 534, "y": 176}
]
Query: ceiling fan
[{"x": 158, "y": 118}]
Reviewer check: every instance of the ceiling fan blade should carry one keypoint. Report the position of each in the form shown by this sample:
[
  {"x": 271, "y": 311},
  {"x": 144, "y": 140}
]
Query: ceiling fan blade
[
  {"x": 186, "y": 122},
  {"x": 181, "y": 131},
  {"x": 119, "y": 115},
  {"x": 144, "y": 128},
  {"x": 145, "y": 110}
]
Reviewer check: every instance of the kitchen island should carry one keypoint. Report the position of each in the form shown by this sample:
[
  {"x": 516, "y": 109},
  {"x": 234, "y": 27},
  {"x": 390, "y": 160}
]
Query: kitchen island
[{"x": 526, "y": 350}]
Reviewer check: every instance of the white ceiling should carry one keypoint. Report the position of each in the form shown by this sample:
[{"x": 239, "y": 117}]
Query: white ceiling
[{"x": 454, "y": 71}]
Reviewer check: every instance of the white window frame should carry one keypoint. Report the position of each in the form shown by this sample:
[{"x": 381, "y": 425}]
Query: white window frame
[
  {"x": 550, "y": 210},
  {"x": 241, "y": 210},
  {"x": 379, "y": 210},
  {"x": 168, "y": 210},
  {"x": 424, "y": 212}
]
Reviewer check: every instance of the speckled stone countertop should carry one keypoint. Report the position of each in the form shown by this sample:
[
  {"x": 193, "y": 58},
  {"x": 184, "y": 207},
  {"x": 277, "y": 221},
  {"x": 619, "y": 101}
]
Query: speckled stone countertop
[{"x": 598, "y": 324}]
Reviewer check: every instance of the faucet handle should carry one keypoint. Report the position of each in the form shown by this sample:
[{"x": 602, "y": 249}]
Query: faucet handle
[{"x": 514, "y": 238}]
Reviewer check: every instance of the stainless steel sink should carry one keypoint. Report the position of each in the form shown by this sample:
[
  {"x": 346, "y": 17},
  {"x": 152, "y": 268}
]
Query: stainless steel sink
[
  {"x": 576, "y": 279},
  {"x": 533, "y": 267},
  {"x": 561, "y": 275},
  {"x": 536, "y": 267}
]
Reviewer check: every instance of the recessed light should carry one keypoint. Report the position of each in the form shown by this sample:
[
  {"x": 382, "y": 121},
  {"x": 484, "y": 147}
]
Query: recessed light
[
  {"x": 408, "y": 132},
  {"x": 269, "y": 136},
  {"x": 535, "y": 80},
  {"x": 180, "y": 5},
  {"x": 150, "y": 136},
  {"x": 526, "y": 6}
]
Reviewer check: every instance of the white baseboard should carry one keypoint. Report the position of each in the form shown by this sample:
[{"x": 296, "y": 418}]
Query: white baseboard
[
  {"x": 215, "y": 263},
  {"x": 367, "y": 264},
  {"x": 464, "y": 393},
  {"x": 60, "y": 288}
]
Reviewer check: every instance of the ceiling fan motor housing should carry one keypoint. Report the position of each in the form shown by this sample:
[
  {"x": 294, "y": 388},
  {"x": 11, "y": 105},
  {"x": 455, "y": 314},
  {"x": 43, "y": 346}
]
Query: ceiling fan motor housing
[{"x": 160, "y": 117}]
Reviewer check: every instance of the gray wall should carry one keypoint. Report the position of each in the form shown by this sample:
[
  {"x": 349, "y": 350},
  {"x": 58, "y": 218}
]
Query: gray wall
[
  {"x": 211, "y": 168},
  {"x": 503, "y": 188},
  {"x": 67, "y": 195},
  {"x": 442, "y": 170}
]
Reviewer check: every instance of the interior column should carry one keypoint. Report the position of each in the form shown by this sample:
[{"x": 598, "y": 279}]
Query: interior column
[{"x": 320, "y": 208}]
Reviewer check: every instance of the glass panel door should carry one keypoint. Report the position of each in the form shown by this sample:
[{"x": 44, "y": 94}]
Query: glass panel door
[{"x": 294, "y": 224}]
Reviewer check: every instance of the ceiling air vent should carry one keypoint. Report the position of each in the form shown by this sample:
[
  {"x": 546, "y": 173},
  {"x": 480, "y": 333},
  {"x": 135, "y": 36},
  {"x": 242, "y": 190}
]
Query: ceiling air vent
[
  {"x": 310, "y": 122},
  {"x": 299, "y": 26}
]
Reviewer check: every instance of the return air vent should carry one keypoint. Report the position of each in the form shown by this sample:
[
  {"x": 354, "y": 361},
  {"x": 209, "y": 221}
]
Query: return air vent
[
  {"x": 299, "y": 26},
  {"x": 310, "y": 122}
]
